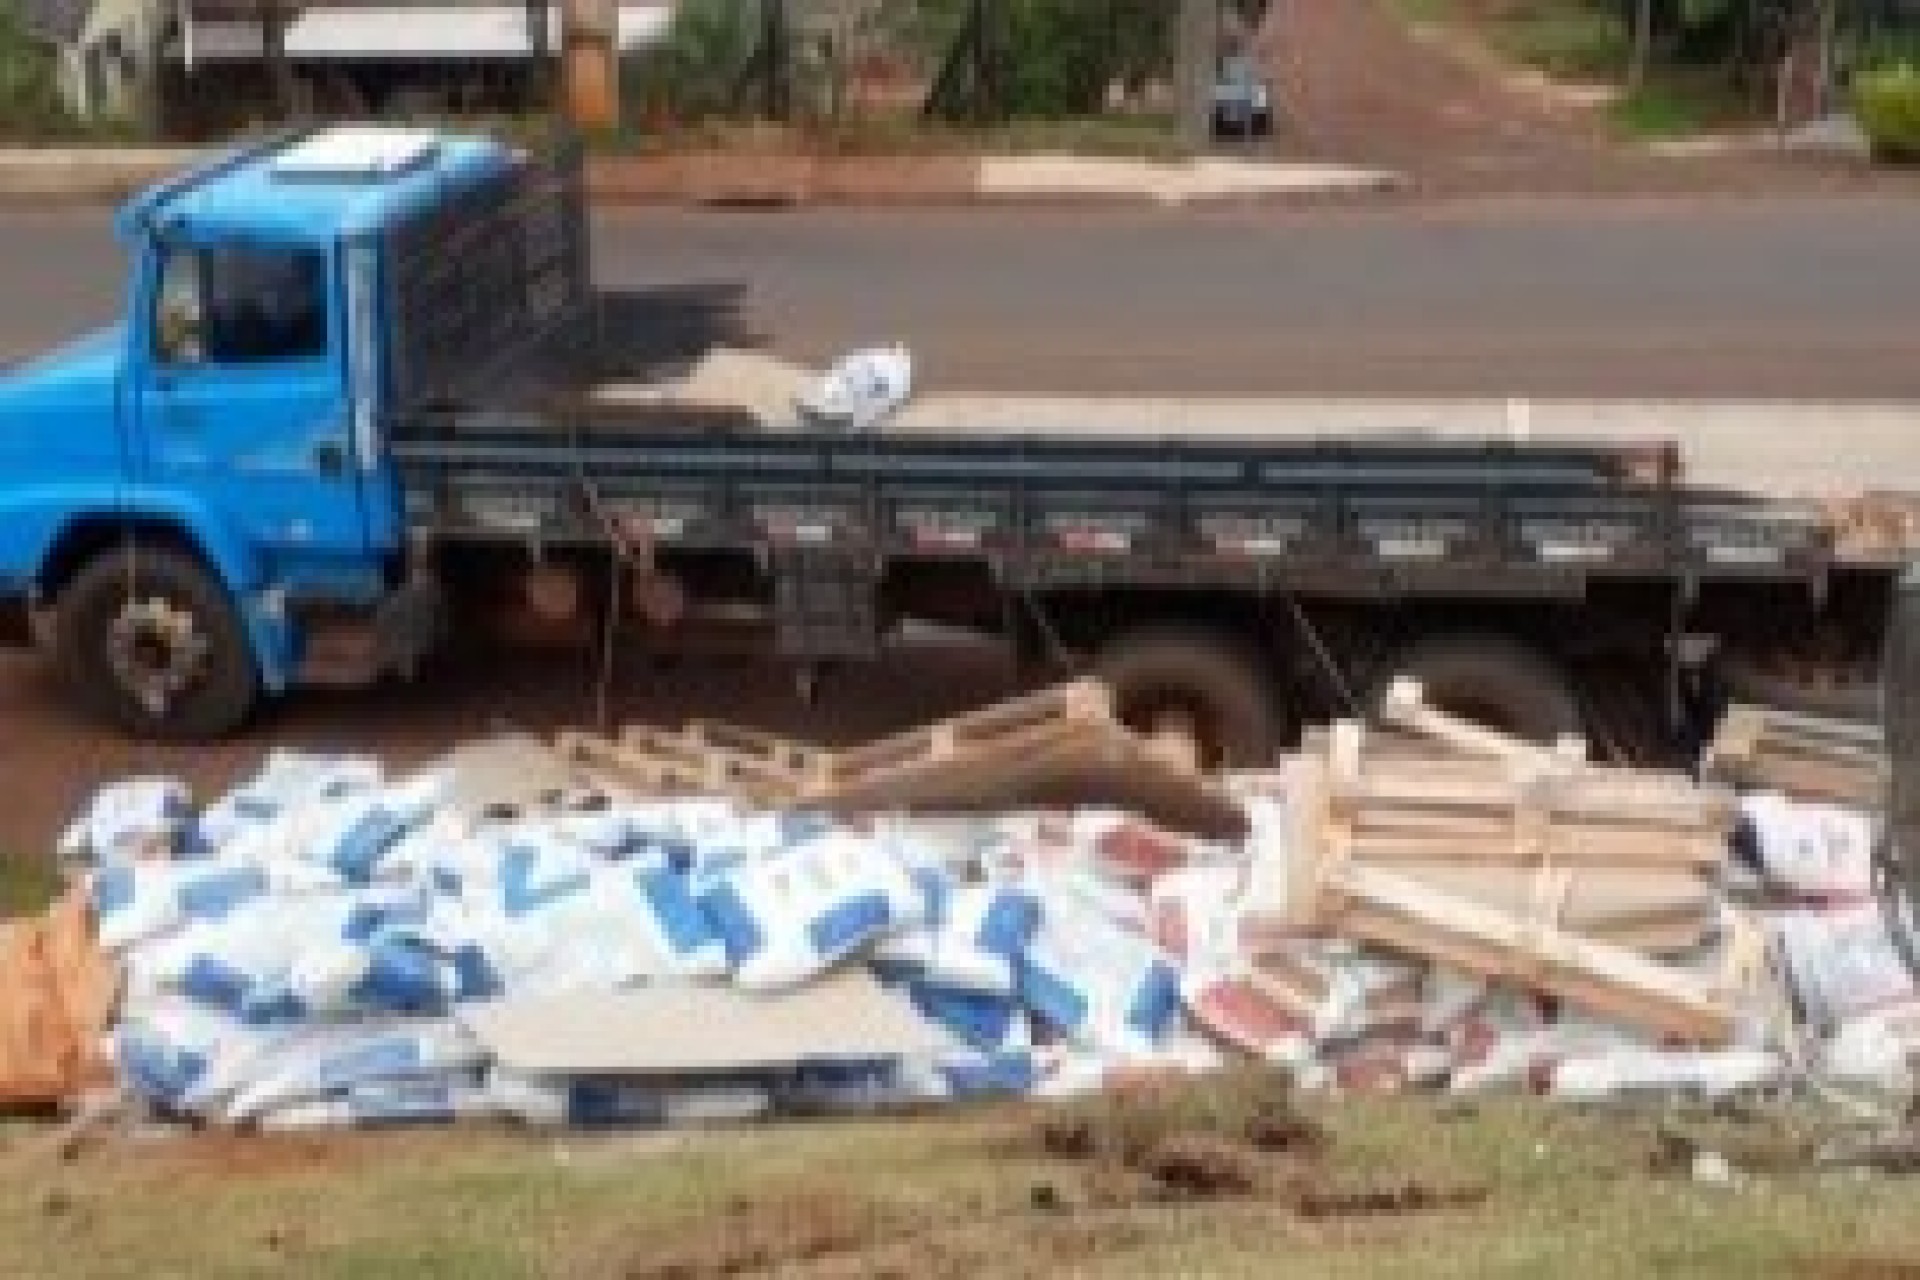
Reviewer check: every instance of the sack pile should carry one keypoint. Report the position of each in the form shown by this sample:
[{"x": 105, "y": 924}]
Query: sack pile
[{"x": 592, "y": 932}]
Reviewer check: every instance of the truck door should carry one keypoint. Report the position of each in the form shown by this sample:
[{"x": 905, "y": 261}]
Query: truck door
[{"x": 245, "y": 393}]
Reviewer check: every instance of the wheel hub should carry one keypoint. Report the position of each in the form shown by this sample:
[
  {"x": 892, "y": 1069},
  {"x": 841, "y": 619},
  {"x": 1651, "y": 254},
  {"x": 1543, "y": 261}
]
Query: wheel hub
[{"x": 156, "y": 651}]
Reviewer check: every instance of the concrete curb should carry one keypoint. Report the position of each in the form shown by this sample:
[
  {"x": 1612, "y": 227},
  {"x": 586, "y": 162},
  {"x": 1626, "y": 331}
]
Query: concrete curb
[
  {"x": 85, "y": 173},
  {"x": 778, "y": 179}
]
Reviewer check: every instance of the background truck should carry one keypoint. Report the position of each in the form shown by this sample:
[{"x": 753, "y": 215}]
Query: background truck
[{"x": 342, "y": 420}]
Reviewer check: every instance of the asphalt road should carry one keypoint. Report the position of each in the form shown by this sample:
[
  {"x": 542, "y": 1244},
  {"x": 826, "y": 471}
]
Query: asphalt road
[{"x": 1801, "y": 297}]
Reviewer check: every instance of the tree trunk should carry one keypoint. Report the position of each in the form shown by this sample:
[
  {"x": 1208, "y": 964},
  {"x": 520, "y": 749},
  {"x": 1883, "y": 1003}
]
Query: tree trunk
[
  {"x": 1198, "y": 48},
  {"x": 1642, "y": 51}
]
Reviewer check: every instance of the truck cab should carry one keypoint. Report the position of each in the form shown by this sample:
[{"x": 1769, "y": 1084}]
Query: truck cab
[{"x": 179, "y": 490}]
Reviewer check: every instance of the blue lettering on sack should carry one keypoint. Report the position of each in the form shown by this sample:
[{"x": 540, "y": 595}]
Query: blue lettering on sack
[
  {"x": 519, "y": 894},
  {"x": 842, "y": 928},
  {"x": 1009, "y": 924},
  {"x": 1050, "y": 997},
  {"x": 739, "y": 932},
  {"x": 671, "y": 900},
  {"x": 1155, "y": 1003},
  {"x": 215, "y": 894}
]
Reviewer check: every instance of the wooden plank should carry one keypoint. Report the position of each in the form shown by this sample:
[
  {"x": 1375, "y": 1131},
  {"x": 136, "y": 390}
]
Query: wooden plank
[
  {"x": 1560, "y": 847},
  {"x": 1405, "y": 707},
  {"x": 1402, "y": 914},
  {"x": 1583, "y": 900}
]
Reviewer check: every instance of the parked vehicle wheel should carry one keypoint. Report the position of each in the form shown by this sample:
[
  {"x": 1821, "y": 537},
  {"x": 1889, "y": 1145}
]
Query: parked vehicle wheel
[
  {"x": 1199, "y": 683},
  {"x": 1493, "y": 681},
  {"x": 148, "y": 639}
]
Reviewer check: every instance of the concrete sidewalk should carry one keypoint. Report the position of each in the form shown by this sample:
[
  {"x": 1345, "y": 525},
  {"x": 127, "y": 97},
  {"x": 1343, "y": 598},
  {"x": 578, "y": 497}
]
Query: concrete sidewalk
[
  {"x": 1797, "y": 449},
  {"x": 782, "y": 178}
]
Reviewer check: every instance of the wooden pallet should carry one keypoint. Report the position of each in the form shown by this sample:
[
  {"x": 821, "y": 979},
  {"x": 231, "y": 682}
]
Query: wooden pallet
[
  {"x": 1516, "y": 862},
  {"x": 1060, "y": 747},
  {"x": 646, "y": 763},
  {"x": 989, "y": 731},
  {"x": 1806, "y": 757},
  {"x": 1522, "y": 811}
]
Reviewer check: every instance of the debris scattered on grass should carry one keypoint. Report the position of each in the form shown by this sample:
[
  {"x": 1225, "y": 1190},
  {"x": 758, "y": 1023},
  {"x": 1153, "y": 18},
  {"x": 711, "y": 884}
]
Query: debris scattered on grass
[{"x": 1413, "y": 1198}]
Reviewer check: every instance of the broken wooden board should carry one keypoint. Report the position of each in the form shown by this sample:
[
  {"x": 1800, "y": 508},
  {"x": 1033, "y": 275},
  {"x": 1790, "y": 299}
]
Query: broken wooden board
[
  {"x": 1046, "y": 764},
  {"x": 1399, "y": 913}
]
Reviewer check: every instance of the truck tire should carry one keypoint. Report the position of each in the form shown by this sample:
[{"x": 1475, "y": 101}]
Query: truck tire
[
  {"x": 148, "y": 639},
  {"x": 1493, "y": 681},
  {"x": 1200, "y": 682}
]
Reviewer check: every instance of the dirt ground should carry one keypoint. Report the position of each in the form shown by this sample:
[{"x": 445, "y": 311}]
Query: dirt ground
[
  {"x": 51, "y": 759},
  {"x": 1358, "y": 83}
]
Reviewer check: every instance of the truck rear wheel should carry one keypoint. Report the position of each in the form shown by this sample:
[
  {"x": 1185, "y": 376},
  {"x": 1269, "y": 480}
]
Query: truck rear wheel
[
  {"x": 148, "y": 639},
  {"x": 1192, "y": 681},
  {"x": 1492, "y": 681}
]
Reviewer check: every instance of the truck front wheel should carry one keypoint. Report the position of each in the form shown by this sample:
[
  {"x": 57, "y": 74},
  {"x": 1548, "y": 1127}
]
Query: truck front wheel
[
  {"x": 148, "y": 639},
  {"x": 1191, "y": 681}
]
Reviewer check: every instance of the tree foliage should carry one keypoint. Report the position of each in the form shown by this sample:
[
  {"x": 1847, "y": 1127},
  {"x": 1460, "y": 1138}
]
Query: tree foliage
[
  {"x": 1057, "y": 57},
  {"x": 29, "y": 91}
]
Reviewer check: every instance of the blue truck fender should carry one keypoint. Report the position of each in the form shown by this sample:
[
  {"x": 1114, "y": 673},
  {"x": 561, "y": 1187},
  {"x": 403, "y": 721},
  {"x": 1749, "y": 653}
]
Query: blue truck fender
[{"x": 271, "y": 634}]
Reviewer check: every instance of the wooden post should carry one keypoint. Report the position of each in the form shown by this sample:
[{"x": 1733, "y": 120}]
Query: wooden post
[
  {"x": 1642, "y": 45},
  {"x": 538, "y": 15},
  {"x": 590, "y": 44},
  {"x": 1197, "y": 53},
  {"x": 274, "y": 20}
]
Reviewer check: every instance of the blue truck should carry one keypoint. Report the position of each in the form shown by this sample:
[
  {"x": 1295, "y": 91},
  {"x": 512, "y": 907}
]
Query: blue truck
[{"x": 340, "y": 423}]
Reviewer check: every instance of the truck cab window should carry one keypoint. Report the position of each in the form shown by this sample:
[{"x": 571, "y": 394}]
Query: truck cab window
[{"x": 241, "y": 305}]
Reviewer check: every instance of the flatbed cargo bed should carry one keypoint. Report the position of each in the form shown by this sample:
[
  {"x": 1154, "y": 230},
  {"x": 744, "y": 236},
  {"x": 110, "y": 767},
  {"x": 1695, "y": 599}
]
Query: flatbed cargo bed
[{"x": 1344, "y": 516}]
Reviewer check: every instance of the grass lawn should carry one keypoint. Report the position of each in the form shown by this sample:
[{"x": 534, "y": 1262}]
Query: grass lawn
[{"x": 1522, "y": 1190}]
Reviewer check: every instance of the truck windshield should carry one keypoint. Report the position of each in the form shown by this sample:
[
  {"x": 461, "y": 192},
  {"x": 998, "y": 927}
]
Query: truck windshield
[{"x": 238, "y": 304}]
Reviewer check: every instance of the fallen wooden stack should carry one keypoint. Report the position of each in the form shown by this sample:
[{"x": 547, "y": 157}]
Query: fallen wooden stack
[
  {"x": 1511, "y": 861},
  {"x": 1806, "y": 757},
  {"x": 1059, "y": 747}
]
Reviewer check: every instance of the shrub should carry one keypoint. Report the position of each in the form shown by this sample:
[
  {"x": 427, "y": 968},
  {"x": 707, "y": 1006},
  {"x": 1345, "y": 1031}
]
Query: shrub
[
  {"x": 1886, "y": 101},
  {"x": 30, "y": 103}
]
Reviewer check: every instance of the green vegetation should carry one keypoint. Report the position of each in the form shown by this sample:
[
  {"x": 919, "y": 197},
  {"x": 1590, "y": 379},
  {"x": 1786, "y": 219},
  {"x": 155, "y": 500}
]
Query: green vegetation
[
  {"x": 1707, "y": 63},
  {"x": 1557, "y": 1192},
  {"x": 1046, "y": 63},
  {"x": 1677, "y": 105},
  {"x": 1886, "y": 100},
  {"x": 30, "y": 104},
  {"x": 26, "y": 884}
]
